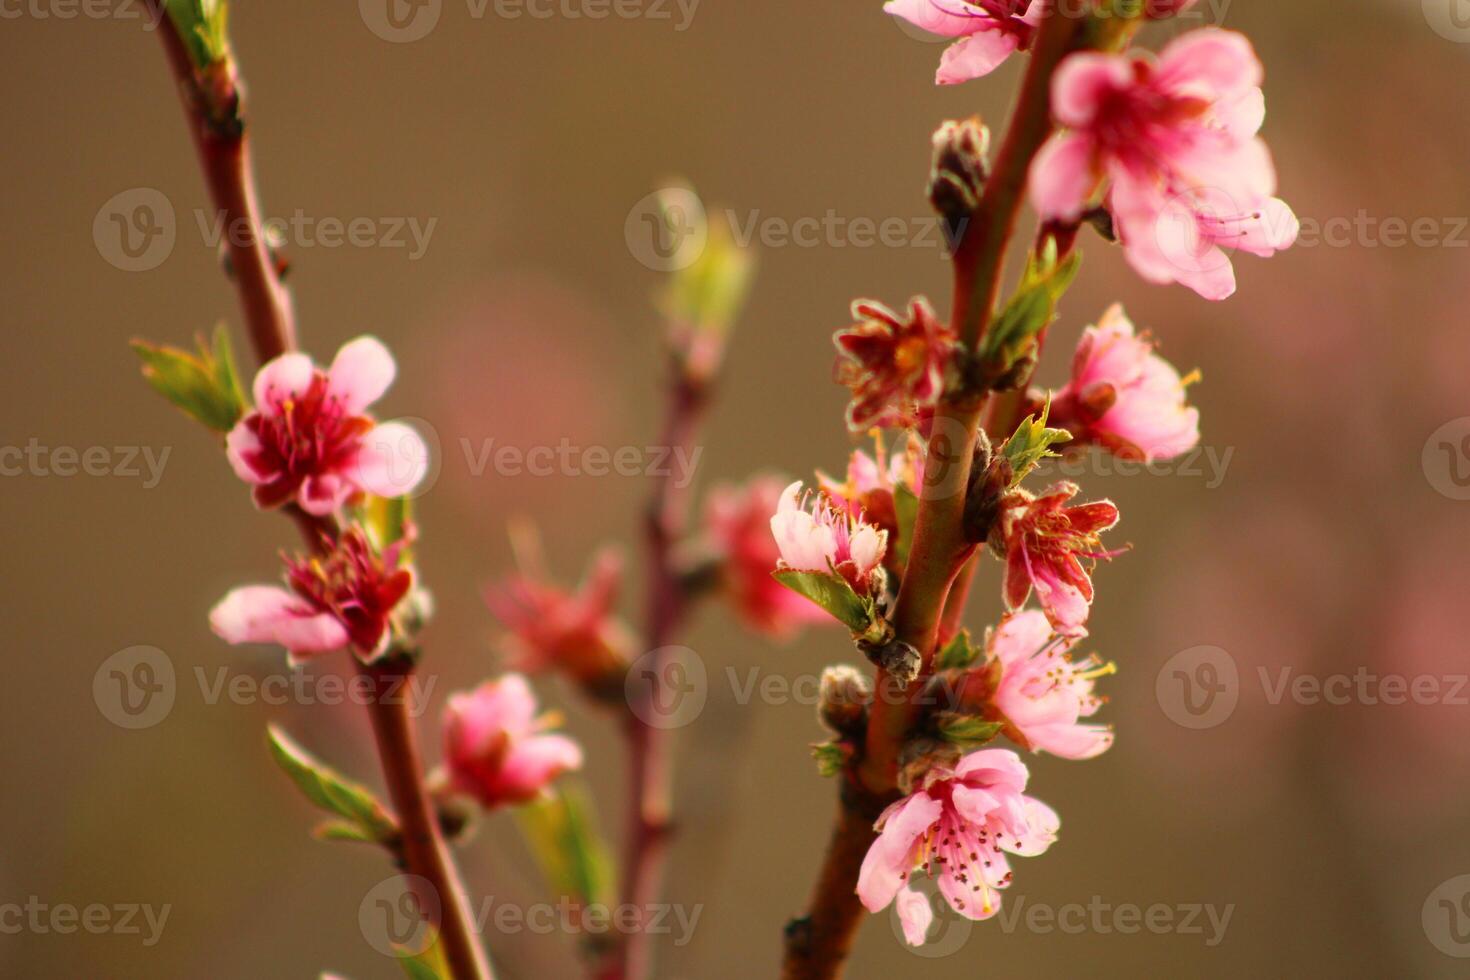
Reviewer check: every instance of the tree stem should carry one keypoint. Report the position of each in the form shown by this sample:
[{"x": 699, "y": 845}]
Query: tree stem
[
  {"x": 650, "y": 766},
  {"x": 213, "y": 108},
  {"x": 939, "y": 550}
]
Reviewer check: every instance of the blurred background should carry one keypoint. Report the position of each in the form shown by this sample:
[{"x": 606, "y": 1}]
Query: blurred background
[{"x": 1320, "y": 533}]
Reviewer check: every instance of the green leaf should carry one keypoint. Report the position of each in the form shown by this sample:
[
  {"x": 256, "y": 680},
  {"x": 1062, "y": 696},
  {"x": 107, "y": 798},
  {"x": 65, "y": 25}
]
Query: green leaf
[
  {"x": 709, "y": 293},
  {"x": 344, "y": 831},
  {"x": 204, "y": 385},
  {"x": 833, "y": 594},
  {"x": 831, "y": 757},
  {"x": 563, "y": 836},
  {"x": 1031, "y": 443},
  {"x": 332, "y": 793},
  {"x": 1012, "y": 336},
  {"x": 968, "y": 731},
  {"x": 428, "y": 965},
  {"x": 202, "y": 27},
  {"x": 958, "y": 653},
  {"x": 387, "y": 519}
]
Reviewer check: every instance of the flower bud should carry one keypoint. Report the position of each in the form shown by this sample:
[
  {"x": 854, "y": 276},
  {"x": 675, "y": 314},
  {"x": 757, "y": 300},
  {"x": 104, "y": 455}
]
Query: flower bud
[
  {"x": 843, "y": 702},
  {"x": 958, "y": 172}
]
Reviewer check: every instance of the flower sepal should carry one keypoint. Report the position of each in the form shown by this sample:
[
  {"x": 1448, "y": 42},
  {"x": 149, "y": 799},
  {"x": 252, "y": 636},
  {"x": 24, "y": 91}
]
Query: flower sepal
[{"x": 832, "y": 593}]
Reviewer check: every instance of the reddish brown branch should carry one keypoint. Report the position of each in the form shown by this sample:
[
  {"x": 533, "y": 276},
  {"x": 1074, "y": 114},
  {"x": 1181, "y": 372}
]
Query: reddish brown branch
[
  {"x": 213, "y": 108},
  {"x": 940, "y": 549},
  {"x": 650, "y": 769}
]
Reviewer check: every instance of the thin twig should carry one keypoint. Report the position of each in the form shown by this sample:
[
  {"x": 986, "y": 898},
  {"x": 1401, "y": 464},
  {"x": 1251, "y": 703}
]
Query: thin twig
[{"x": 213, "y": 107}]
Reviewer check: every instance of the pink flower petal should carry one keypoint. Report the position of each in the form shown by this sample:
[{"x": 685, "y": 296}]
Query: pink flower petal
[
  {"x": 1062, "y": 177},
  {"x": 951, "y": 19},
  {"x": 915, "y": 914},
  {"x": 890, "y": 857},
  {"x": 240, "y": 444},
  {"x": 1081, "y": 84},
  {"x": 391, "y": 462},
  {"x": 975, "y": 56},
  {"x": 360, "y": 374},
  {"x": 285, "y": 377},
  {"x": 270, "y": 614}
]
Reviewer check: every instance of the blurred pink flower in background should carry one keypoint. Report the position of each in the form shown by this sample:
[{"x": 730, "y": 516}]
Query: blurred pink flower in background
[
  {"x": 523, "y": 363},
  {"x": 1125, "y": 397},
  {"x": 495, "y": 748},
  {"x": 577, "y": 632},
  {"x": 957, "y": 827},
  {"x": 1177, "y": 137},
  {"x": 737, "y": 532},
  {"x": 310, "y": 439}
]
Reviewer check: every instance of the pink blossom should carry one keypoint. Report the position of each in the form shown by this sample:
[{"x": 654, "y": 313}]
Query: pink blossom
[
  {"x": 824, "y": 539},
  {"x": 958, "y": 827},
  {"x": 893, "y": 365},
  {"x": 988, "y": 31},
  {"x": 1178, "y": 138},
  {"x": 310, "y": 439},
  {"x": 1042, "y": 694},
  {"x": 1045, "y": 543},
  {"x": 1124, "y": 396},
  {"x": 348, "y": 597},
  {"x": 494, "y": 748},
  {"x": 737, "y": 523},
  {"x": 576, "y": 632}
]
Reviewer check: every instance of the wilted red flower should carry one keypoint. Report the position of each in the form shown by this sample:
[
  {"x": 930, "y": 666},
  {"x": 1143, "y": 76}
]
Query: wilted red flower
[{"x": 892, "y": 365}]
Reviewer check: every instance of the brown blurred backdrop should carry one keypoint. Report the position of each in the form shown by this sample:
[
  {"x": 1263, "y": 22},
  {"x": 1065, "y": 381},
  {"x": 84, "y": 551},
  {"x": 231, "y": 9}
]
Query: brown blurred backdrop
[{"x": 1323, "y": 530}]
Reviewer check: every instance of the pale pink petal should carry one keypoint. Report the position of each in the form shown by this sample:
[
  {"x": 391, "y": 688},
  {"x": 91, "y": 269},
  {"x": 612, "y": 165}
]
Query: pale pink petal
[
  {"x": 391, "y": 462},
  {"x": 972, "y": 898},
  {"x": 533, "y": 762},
  {"x": 1019, "y": 636},
  {"x": 975, "y": 56},
  {"x": 360, "y": 374},
  {"x": 916, "y": 915},
  {"x": 951, "y": 19},
  {"x": 1040, "y": 829},
  {"x": 270, "y": 614},
  {"x": 240, "y": 443},
  {"x": 323, "y": 494},
  {"x": 1062, "y": 177},
  {"x": 506, "y": 705},
  {"x": 1000, "y": 767},
  {"x": 1083, "y": 81},
  {"x": 282, "y": 378},
  {"x": 867, "y": 547},
  {"x": 890, "y": 857},
  {"x": 1210, "y": 63},
  {"x": 1072, "y": 741}
]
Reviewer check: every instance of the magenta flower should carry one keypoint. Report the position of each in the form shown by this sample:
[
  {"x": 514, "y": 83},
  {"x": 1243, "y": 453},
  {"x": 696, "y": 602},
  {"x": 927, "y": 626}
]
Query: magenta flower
[
  {"x": 494, "y": 746},
  {"x": 1178, "y": 139},
  {"x": 825, "y": 539},
  {"x": 1045, "y": 544},
  {"x": 310, "y": 439},
  {"x": 576, "y": 632},
  {"x": 737, "y": 524},
  {"x": 348, "y": 597},
  {"x": 893, "y": 365},
  {"x": 1042, "y": 694},
  {"x": 958, "y": 828},
  {"x": 1125, "y": 397},
  {"x": 988, "y": 31}
]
